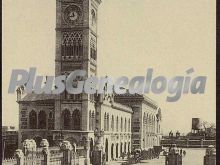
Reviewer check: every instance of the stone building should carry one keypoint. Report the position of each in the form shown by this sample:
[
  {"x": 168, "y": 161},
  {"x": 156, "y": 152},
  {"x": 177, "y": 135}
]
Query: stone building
[
  {"x": 75, "y": 117},
  {"x": 146, "y": 120}
]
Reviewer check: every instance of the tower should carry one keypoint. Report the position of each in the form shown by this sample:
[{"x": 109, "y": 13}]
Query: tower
[{"x": 76, "y": 43}]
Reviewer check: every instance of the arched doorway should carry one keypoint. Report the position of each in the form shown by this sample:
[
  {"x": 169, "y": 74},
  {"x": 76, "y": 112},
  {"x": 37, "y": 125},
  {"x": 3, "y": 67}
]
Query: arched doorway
[
  {"x": 117, "y": 150},
  {"x": 112, "y": 152},
  {"x": 106, "y": 149}
]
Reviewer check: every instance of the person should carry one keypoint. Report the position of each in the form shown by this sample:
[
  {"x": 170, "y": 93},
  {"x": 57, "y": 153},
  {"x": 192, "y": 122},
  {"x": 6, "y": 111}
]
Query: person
[
  {"x": 184, "y": 153},
  {"x": 128, "y": 154},
  {"x": 170, "y": 148},
  {"x": 103, "y": 159},
  {"x": 123, "y": 155},
  {"x": 181, "y": 151}
]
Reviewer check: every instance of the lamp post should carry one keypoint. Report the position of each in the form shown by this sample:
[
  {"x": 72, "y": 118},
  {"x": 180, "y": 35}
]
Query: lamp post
[
  {"x": 98, "y": 153},
  {"x": 98, "y": 139}
]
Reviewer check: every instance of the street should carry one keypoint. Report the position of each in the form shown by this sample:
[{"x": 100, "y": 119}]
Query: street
[{"x": 193, "y": 157}]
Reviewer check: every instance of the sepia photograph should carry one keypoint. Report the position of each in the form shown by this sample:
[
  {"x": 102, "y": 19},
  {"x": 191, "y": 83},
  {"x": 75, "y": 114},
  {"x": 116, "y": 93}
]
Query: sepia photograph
[{"x": 108, "y": 82}]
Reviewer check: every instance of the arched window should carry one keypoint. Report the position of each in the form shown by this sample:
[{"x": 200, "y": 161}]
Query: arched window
[
  {"x": 76, "y": 119},
  {"x": 150, "y": 123},
  {"x": 93, "y": 52},
  {"x": 107, "y": 122},
  {"x": 125, "y": 125},
  {"x": 121, "y": 124},
  {"x": 147, "y": 122},
  {"x": 93, "y": 17},
  {"x": 42, "y": 120},
  {"x": 154, "y": 124},
  {"x": 112, "y": 124},
  {"x": 93, "y": 120},
  {"x": 90, "y": 120},
  {"x": 117, "y": 124},
  {"x": 33, "y": 120},
  {"x": 144, "y": 130},
  {"x": 51, "y": 115},
  {"x": 129, "y": 125},
  {"x": 72, "y": 45},
  {"x": 66, "y": 119},
  {"x": 144, "y": 124}
]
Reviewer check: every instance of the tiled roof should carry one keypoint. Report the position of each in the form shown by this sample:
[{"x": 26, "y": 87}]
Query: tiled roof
[{"x": 39, "y": 97}]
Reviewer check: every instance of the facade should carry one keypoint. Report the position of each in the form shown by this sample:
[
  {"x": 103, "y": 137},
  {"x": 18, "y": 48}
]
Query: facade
[
  {"x": 75, "y": 117},
  {"x": 146, "y": 120}
]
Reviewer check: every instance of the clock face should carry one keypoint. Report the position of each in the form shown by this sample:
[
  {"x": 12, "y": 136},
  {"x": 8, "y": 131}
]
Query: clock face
[{"x": 72, "y": 14}]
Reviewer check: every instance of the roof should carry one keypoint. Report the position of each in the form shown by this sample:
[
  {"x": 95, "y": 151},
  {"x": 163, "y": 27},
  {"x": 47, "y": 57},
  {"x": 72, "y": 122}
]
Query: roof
[
  {"x": 127, "y": 96},
  {"x": 39, "y": 97}
]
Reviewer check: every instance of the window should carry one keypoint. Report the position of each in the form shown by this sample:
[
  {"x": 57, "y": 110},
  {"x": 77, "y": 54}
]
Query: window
[
  {"x": 66, "y": 119},
  {"x": 76, "y": 119},
  {"x": 107, "y": 122},
  {"x": 90, "y": 120},
  {"x": 112, "y": 124},
  {"x": 33, "y": 120},
  {"x": 125, "y": 125},
  {"x": 117, "y": 124},
  {"x": 93, "y": 17},
  {"x": 93, "y": 52},
  {"x": 51, "y": 120},
  {"x": 129, "y": 125},
  {"x": 51, "y": 115},
  {"x": 75, "y": 97},
  {"x": 72, "y": 45},
  {"x": 42, "y": 120},
  {"x": 121, "y": 124},
  {"x": 93, "y": 120}
]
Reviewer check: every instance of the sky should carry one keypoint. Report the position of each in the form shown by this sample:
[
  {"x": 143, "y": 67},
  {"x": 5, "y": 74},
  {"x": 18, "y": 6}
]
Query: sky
[{"x": 134, "y": 35}]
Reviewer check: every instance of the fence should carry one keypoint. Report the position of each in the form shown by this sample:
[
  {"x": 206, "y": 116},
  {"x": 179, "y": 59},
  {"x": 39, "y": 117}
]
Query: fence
[
  {"x": 188, "y": 143},
  {"x": 30, "y": 155}
]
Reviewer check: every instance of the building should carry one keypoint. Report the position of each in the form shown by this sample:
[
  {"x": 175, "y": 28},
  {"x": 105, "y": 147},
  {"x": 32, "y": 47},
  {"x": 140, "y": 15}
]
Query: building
[
  {"x": 146, "y": 120},
  {"x": 9, "y": 141},
  {"x": 75, "y": 117}
]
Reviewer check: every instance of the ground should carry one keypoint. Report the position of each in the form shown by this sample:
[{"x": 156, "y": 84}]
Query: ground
[{"x": 193, "y": 157}]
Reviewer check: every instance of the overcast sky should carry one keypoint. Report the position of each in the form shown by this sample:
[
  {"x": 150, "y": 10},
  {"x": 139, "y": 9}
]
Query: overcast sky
[{"x": 169, "y": 36}]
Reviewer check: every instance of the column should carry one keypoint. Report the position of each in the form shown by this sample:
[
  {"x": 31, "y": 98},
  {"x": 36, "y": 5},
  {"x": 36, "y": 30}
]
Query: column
[{"x": 87, "y": 160}]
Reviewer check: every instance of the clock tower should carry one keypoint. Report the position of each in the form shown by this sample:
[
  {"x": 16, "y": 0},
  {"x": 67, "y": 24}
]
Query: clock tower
[
  {"x": 76, "y": 49},
  {"x": 76, "y": 35}
]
